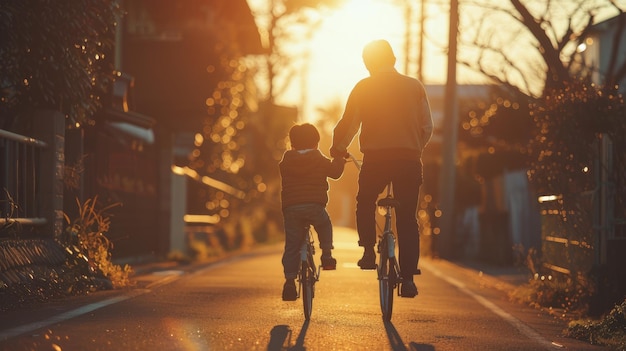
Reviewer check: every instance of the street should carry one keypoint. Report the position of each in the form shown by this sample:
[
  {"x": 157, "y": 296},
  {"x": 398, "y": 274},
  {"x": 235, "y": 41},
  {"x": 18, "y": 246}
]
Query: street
[{"x": 235, "y": 304}]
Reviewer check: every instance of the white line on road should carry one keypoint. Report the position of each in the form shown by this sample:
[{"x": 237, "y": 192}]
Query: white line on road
[
  {"x": 516, "y": 323},
  {"x": 27, "y": 328},
  {"x": 169, "y": 276}
]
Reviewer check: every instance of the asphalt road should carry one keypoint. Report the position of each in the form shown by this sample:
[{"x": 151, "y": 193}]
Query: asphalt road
[{"x": 235, "y": 304}]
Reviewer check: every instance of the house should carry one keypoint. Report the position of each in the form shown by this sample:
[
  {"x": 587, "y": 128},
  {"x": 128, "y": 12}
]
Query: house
[
  {"x": 603, "y": 51},
  {"x": 169, "y": 56}
]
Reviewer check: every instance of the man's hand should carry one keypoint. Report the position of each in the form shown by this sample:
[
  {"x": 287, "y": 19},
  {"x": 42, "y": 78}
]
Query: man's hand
[{"x": 334, "y": 153}]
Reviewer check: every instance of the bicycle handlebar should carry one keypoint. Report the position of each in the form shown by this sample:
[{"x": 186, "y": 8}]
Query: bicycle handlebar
[{"x": 357, "y": 163}]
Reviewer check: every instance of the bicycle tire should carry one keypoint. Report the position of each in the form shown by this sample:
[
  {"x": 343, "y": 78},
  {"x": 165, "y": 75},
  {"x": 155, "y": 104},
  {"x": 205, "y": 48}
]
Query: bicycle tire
[
  {"x": 307, "y": 280},
  {"x": 386, "y": 280},
  {"x": 313, "y": 274}
]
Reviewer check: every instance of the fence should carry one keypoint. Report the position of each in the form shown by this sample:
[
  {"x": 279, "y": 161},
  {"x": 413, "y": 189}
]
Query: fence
[
  {"x": 567, "y": 233},
  {"x": 20, "y": 179},
  {"x": 586, "y": 229}
]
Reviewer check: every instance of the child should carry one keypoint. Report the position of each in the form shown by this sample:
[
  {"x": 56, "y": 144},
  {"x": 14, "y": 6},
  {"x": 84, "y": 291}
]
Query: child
[{"x": 304, "y": 171}]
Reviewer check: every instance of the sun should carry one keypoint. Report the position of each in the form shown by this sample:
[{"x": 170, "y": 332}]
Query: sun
[
  {"x": 358, "y": 22},
  {"x": 336, "y": 64}
]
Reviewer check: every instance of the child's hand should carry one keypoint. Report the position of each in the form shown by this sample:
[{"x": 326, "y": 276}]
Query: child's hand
[{"x": 334, "y": 153}]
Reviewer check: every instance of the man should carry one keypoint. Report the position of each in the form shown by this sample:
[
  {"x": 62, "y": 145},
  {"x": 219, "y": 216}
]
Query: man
[{"x": 393, "y": 114}]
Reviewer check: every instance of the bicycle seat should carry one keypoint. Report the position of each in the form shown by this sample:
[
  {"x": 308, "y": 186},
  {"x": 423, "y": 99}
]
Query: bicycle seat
[{"x": 388, "y": 202}]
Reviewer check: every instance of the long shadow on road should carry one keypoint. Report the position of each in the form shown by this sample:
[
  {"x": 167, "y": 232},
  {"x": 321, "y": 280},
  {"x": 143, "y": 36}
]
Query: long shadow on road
[
  {"x": 398, "y": 345},
  {"x": 280, "y": 338}
]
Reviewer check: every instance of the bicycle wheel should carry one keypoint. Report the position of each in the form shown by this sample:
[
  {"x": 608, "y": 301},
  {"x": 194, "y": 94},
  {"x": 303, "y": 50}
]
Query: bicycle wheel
[
  {"x": 386, "y": 280},
  {"x": 307, "y": 280}
]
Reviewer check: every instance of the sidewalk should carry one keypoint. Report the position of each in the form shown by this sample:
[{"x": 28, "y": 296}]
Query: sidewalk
[
  {"x": 510, "y": 276},
  {"x": 492, "y": 286}
]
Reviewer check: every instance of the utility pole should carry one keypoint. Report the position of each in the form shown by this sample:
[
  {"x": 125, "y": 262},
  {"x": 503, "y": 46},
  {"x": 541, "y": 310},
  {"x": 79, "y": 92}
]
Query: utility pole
[
  {"x": 408, "y": 14},
  {"x": 420, "y": 57},
  {"x": 450, "y": 133}
]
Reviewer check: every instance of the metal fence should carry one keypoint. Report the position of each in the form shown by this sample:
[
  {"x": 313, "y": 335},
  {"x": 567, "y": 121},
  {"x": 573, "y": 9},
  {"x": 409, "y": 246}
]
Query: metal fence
[
  {"x": 586, "y": 229},
  {"x": 20, "y": 180},
  {"x": 568, "y": 233}
]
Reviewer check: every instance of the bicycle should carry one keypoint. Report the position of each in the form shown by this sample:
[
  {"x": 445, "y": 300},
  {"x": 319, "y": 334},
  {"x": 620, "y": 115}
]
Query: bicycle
[
  {"x": 309, "y": 273},
  {"x": 387, "y": 268}
]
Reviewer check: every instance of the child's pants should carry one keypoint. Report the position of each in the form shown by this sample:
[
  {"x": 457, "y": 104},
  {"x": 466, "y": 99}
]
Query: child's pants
[{"x": 297, "y": 219}]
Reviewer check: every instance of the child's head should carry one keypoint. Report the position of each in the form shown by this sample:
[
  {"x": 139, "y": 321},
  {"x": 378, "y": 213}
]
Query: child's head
[{"x": 304, "y": 136}]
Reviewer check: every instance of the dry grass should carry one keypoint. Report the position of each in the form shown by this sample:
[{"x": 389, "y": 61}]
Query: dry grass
[{"x": 88, "y": 233}]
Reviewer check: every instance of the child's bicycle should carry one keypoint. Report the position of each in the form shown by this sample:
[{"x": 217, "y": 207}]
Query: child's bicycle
[
  {"x": 387, "y": 268},
  {"x": 309, "y": 273}
]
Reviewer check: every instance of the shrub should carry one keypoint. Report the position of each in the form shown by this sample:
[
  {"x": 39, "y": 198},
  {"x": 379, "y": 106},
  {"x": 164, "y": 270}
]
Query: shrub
[
  {"x": 610, "y": 331},
  {"x": 87, "y": 236}
]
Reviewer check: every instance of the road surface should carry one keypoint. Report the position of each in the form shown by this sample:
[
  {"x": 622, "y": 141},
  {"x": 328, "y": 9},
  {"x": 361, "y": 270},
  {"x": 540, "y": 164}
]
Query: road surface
[{"x": 235, "y": 304}]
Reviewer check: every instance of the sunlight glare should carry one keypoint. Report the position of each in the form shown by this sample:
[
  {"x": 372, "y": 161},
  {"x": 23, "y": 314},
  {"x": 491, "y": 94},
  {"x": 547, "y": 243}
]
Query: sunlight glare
[{"x": 336, "y": 64}]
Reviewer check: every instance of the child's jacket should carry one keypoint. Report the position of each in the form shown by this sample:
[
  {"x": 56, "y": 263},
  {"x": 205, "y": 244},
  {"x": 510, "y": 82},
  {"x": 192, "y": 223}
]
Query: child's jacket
[{"x": 304, "y": 176}]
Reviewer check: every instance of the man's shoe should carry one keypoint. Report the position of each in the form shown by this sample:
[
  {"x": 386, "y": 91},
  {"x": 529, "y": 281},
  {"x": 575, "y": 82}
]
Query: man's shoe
[
  {"x": 329, "y": 263},
  {"x": 289, "y": 291},
  {"x": 368, "y": 261},
  {"x": 408, "y": 289}
]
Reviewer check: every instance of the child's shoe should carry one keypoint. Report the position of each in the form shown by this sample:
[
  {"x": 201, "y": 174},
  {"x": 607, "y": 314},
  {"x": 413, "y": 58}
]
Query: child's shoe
[{"x": 290, "y": 293}]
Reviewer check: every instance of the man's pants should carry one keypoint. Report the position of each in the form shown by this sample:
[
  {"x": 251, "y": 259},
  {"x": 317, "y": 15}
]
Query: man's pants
[{"x": 406, "y": 179}]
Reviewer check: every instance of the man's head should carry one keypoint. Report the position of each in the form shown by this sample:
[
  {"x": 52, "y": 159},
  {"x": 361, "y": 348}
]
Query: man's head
[
  {"x": 378, "y": 55},
  {"x": 304, "y": 136}
]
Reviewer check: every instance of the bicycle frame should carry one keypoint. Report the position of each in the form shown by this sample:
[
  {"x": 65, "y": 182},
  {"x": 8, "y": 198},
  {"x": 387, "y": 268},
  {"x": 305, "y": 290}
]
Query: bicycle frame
[
  {"x": 388, "y": 269},
  {"x": 388, "y": 233}
]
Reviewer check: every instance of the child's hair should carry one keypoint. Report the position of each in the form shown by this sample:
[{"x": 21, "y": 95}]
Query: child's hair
[{"x": 304, "y": 136}]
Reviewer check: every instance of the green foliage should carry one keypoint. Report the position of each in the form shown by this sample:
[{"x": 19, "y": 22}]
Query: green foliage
[
  {"x": 237, "y": 149},
  {"x": 609, "y": 331},
  {"x": 494, "y": 134},
  {"x": 500, "y": 120},
  {"x": 567, "y": 124},
  {"x": 88, "y": 233},
  {"x": 570, "y": 297},
  {"x": 56, "y": 54}
]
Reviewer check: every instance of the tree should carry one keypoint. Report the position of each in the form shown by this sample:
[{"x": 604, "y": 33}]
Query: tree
[
  {"x": 537, "y": 53},
  {"x": 285, "y": 24},
  {"x": 494, "y": 133},
  {"x": 537, "y": 59},
  {"x": 55, "y": 55}
]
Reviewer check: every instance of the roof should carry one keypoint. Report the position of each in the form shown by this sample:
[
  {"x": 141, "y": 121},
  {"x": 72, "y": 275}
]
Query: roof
[{"x": 165, "y": 20}]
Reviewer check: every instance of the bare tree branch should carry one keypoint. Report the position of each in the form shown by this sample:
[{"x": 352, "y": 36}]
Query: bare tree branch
[
  {"x": 579, "y": 39},
  {"x": 493, "y": 77},
  {"x": 505, "y": 78},
  {"x": 557, "y": 73}
]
